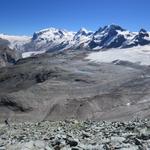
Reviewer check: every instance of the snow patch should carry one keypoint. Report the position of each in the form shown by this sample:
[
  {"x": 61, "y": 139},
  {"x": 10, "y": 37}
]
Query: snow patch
[
  {"x": 128, "y": 104},
  {"x": 33, "y": 53}
]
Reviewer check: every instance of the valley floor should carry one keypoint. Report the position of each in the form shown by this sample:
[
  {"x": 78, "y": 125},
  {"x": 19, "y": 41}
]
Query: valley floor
[{"x": 65, "y": 85}]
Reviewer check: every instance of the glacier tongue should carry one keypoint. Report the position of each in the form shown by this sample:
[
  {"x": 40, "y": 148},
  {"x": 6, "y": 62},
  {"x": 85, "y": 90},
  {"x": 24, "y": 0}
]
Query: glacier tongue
[{"x": 139, "y": 55}]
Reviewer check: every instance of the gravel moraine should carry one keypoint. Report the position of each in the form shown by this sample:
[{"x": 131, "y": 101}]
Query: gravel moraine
[{"x": 76, "y": 135}]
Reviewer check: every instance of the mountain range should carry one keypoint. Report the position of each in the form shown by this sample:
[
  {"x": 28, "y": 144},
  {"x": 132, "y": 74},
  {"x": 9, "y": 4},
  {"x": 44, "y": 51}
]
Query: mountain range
[{"x": 52, "y": 39}]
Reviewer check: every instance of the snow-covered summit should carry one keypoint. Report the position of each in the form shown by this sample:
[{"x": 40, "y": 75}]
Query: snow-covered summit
[
  {"x": 51, "y": 33},
  {"x": 54, "y": 39},
  {"x": 84, "y": 31},
  {"x": 114, "y": 36},
  {"x": 50, "y": 39}
]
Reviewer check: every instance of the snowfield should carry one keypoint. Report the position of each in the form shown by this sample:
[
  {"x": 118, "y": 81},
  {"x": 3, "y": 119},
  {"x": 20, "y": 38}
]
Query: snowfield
[
  {"x": 30, "y": 54},
  {"x": 140, "y": 55}
]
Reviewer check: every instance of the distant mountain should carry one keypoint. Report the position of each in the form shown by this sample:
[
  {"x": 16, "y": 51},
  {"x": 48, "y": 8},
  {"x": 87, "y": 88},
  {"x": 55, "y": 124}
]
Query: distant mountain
[
  {"x": 108, "y": 37},
  {"x": 114, "y": 36},
  {"x": 142, "y": 38},
  {"x": 15, "y": 42},
  {"x": 52, "y": 39},
  {"x": 82, "y": 38}
]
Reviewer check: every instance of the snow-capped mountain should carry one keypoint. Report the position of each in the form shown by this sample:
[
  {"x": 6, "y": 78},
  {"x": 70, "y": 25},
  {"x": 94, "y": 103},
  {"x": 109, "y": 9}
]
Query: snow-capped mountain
[
  {"x": 52, "y": 39},
  {"x": 114, "y": 36},
  {"x": 82, "y": 38},
  {"x": 49, "y": 40},
  {"x": 142, "y": 38},
  {"x": 107, "y": 37}
]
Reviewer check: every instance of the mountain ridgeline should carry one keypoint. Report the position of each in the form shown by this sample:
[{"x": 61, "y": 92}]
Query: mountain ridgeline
[{"x": 52, "y": 39}]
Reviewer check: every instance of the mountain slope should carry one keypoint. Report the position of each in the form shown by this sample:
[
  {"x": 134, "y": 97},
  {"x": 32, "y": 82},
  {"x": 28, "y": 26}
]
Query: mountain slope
[
  {"x": 64, "y": 85},
  {"x": 52, "y": 39}
]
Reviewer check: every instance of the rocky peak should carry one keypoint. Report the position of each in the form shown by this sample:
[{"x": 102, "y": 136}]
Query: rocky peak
[
  {"x": 108, "y": 37},
  {"x": 143, "y": 33},
  {"x": 111, "y": 28},
  {"x": 116, "y": 27},
  {"x": 83, "y": 32}
]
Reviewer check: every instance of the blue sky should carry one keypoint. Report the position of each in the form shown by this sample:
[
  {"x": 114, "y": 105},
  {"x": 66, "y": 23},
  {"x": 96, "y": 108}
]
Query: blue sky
[{"x": 26, "y": 16}]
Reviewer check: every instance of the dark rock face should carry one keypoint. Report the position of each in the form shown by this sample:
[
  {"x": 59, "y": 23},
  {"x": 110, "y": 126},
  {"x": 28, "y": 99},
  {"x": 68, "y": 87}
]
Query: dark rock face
[
  {"x": 35, "y": 35},
  {"x": 58, "y": 47},
  {"x": 72, "y": 143},
  {"x": 117, "y": 27},
  {"x": 117, "y": 42},
  {"x": 140, "y": 38},
  {"x": 107, "y": 37},
  {"x": 7, "y": 56},
  {"x": 10, "y": 103}
]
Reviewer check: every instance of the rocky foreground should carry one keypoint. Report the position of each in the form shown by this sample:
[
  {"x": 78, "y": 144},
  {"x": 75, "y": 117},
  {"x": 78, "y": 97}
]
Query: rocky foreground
[{"x": 76, "y": 135}]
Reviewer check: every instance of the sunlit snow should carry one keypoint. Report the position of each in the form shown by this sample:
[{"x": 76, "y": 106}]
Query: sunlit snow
[
  {"x": 33, "y": 53},
  {"x": 140, "y": 55}
]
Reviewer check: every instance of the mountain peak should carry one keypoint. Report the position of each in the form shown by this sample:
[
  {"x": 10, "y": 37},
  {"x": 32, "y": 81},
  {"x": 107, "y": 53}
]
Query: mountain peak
[
  {"x": 114, "y": 27},
  {"x": 47, "y": 30},
  {"x": 142, "y": 31},
  {"x": 110, "y": 36},
  {"x": 83, "y": 30},
  {"x": 110, "y": 28}
]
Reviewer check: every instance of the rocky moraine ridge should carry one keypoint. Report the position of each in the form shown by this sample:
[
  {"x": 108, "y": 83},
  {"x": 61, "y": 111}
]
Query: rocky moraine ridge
[{"x": 76, "y": 135}]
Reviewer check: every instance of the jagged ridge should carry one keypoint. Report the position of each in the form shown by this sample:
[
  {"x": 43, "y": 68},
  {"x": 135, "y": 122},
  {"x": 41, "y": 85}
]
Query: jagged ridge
[{"x": 52, "y": 39}]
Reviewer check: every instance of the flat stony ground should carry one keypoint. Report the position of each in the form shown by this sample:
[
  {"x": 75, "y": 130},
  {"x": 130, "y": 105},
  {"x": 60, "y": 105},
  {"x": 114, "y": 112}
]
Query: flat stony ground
[
  {"x": 76, "y": 135},
  {"x": 66, "y": 86}
]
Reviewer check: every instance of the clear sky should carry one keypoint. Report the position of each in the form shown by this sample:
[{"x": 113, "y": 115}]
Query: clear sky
[{"x": 26, "y": 16}]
